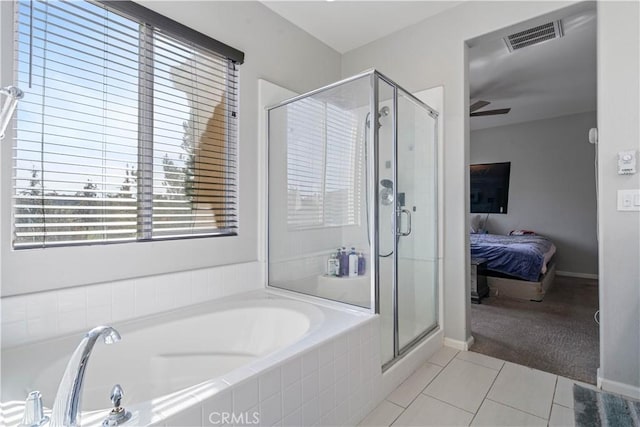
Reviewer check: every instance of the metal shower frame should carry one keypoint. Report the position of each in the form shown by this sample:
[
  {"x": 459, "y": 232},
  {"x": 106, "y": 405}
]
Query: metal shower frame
[{"x": 374, "y": 259}]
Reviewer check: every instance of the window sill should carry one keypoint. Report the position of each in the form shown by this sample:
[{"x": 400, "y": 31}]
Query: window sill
[{"x": 36, "y": 270}]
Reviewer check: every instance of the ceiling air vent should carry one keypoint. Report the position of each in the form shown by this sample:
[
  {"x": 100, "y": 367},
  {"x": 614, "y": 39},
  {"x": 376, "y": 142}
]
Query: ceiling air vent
[{"x": 535, "y": 35}]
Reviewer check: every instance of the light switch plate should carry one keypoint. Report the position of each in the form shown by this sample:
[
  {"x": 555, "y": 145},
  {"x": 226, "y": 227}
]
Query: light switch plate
[{"x": 629, "y": 200}]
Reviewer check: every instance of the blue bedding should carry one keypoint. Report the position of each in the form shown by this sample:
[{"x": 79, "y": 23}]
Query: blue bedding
[{"x": 518, "y": 256}]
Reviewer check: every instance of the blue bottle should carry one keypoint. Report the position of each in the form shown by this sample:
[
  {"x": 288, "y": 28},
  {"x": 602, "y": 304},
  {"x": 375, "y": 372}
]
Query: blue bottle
[
  {"x": 344, "y": 262},
  {"x": 353, "y": 263},
  {"x": 338, "y": 263},
  {"x": 362, "y": 264}
]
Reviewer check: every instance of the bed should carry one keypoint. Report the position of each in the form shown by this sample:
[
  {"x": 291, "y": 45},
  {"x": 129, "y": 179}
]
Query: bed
[{"x": 517, "y": 266}]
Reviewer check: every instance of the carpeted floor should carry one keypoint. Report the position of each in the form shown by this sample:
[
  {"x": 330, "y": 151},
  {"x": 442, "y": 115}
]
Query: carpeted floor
[{"x": 557, "y": 335}]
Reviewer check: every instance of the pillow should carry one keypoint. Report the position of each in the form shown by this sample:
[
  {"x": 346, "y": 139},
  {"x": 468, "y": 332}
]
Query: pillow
[
  {"x": 522, "y": 233},
  {"x": 474, "y": 224}
]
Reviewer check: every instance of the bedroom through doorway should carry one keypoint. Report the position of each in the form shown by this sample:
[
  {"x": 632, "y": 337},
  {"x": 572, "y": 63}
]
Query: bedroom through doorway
[{"x": 532, "y": 193}]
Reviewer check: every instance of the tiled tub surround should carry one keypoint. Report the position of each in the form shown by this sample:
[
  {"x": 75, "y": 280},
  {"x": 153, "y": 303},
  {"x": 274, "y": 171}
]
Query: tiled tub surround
[
  {"x": 44, "y": 315},
  {"x": 301, "y": 364}
]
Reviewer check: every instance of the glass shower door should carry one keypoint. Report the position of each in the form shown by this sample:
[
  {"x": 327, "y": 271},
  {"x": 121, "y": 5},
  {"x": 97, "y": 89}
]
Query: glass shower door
[
  {"x": 385, "y": 169},
  {"x": 416, "y": 222}
]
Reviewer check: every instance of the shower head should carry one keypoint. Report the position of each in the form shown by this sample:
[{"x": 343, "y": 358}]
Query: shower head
[{"x": 383, "y": 112}]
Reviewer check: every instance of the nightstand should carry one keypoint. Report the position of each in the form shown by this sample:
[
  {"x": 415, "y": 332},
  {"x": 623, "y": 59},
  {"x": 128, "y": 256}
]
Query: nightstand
[{"x": 479, "y": 287}]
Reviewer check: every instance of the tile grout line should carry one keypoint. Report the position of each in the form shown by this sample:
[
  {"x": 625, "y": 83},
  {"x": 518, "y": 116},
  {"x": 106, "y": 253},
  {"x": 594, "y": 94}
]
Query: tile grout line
[
  {"x": 446, "y": 364},
  {"x": 421, "y": 391},
  {"x": 448, "y": 404},
  {"x": 478, "y": 364},
  {"x": 430, "y": 381},
  {"x": 451, "y": 404},
  {"x": 396, "y": 418},
  {"x": 486, "y": 394},
  {"x": 388, "y": 401},
  {"x": 560, "y": 404},
  {"x": 394, "y": 404},
  {"x": 553, "y": 398},
  {"x": 517, "y": 409}
]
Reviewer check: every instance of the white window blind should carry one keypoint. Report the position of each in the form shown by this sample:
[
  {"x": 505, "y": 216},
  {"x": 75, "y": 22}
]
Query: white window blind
[
  {"x": 127, "y": 131},
  {"x": 324, "y": 166}
]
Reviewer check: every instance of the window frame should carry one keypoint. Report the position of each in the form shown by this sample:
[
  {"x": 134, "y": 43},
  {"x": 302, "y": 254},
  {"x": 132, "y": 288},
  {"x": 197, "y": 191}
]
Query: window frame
[{"x": 35, "y": 270}]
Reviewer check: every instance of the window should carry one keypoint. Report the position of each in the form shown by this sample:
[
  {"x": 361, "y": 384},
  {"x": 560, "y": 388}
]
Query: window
[
  {"x": 324, "y": 165},
  {"x": 127, "y": 130}
]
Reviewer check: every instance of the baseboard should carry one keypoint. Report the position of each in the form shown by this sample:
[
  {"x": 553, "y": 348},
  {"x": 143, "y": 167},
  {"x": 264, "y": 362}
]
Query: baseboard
[
  {"x": 578, "y": 275},
  {"x": 618, "y": 388},
  {"x": 458, "y": 344}
]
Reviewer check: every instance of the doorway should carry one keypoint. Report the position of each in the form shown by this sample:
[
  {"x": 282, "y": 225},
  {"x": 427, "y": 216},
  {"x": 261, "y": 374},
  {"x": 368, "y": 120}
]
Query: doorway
[{"x": 532, "y": 90}]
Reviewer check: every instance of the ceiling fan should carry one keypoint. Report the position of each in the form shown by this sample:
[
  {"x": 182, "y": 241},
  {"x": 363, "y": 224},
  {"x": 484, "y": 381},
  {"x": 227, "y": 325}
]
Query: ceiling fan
[{"x": 481, "y": 104}]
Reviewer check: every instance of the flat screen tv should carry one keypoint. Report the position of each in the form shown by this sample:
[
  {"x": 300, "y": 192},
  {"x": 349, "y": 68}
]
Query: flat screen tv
[{"x": 490, "y": 187}]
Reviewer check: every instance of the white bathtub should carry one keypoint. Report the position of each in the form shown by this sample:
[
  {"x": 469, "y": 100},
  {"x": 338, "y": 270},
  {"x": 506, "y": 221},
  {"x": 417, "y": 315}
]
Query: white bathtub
[{"x": 172, "y": 363}]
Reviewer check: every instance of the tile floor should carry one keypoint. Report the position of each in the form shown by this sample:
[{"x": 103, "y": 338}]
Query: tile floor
[{"x": 461, "y": 388}]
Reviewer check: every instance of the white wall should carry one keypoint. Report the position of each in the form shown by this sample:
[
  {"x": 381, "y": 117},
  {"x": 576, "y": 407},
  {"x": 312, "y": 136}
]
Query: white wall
[
  {"x": 433, "y": 52},
  {"x": 619, "y": 232},
  {"x": 552, "y": 188},
  {"x": 274, "y": 49}
]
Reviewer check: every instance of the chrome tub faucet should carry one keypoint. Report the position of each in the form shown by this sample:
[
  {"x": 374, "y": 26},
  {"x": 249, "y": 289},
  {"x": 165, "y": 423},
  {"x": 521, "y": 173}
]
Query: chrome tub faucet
[{"x": 67, "y": 406}]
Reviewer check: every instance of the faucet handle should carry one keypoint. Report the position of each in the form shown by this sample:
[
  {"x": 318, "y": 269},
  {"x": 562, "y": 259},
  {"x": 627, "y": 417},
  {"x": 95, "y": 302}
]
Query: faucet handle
[
  {"x": 33, "y": 411},
  {"x": 116, "y": 395},
  {"x": 118, "y": 414}
]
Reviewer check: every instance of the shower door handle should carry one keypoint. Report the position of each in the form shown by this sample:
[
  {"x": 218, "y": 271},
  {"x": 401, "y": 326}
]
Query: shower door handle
[{"x": 400, "y": 232}]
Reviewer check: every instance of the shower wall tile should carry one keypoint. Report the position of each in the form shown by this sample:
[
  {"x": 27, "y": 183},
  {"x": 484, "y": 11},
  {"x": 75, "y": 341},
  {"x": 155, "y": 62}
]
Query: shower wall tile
[
  {"x": 43, "y": 315},
  {"x": 122, "y": 300},
  {"x": 299, "y": 268},
  {"x": 99, "y": 315},
  {"x": 73, "y": 299},
  {"x": 14, "y": 309}
]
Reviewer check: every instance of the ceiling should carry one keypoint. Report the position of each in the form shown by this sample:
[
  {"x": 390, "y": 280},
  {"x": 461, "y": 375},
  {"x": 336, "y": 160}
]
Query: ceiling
[
  {"x": 550, "y": 79},
  {"x": 347, "y": 25}
]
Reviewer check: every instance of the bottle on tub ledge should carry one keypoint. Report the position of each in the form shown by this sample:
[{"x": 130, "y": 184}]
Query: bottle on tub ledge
[
  {"x": 362, "y": 264},
  {"x": 353, "y": 263},
  {"x": 333, "y": 265},
  {"x": 344, "y": 262}
]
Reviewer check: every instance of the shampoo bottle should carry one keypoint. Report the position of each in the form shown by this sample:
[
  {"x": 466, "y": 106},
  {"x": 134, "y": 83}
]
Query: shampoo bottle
[
  {"x": 353, "y": 263},
  {"x": 332, "y": 265},
  {"x": 362, "y": 264},
  {"x": 344, "y": 262}
]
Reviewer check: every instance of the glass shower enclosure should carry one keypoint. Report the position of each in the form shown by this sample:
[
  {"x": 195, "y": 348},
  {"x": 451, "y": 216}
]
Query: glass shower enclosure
[{"x": 352, "y": 203}]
